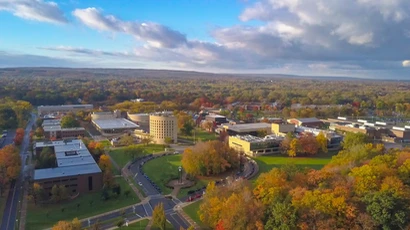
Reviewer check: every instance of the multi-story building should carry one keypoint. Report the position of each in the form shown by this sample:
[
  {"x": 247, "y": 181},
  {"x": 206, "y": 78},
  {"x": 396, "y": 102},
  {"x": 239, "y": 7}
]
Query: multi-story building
[
  {"x": 75, "y": 168},
  {"x": 162, "y": 126},
  {"x": 49, "y": 109},
  {"x": 256, "y": 146}
]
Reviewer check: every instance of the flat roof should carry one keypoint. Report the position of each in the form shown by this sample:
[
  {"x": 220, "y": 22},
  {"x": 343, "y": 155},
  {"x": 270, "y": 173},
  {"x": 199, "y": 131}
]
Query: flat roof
[
  {"x": 52, "y": 122},
  {"x": 215, "y": 116},
  {"x": 117, "y": 123},
  {"x": 248, "y": 127},
  {"x": 73, "y": 158},
  {"x": 49, "y": 128},
  {"x": 254, "y": 139}
]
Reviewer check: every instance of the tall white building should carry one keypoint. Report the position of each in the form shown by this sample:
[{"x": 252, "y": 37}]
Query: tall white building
[{"x": 161, "y": 126}]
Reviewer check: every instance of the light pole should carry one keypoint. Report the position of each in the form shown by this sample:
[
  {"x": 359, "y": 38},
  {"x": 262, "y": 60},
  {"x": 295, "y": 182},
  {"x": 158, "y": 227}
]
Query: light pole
[{"x": 180, "y": 174}]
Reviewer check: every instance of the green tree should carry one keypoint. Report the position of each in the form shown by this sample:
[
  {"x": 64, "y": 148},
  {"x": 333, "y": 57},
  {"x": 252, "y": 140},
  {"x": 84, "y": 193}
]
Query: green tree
[
  {"x": 134, "y": 151},
  {"x": 126, "y": 140},
  {"x": 168, "y": 140},
  {"x": 59, "y": 193},
  {"x": 69, "y": 121},
  {"x": 158, "y": 216},
  {"x": 352, "y": 139},
  {"x": 388, "y": 210}
]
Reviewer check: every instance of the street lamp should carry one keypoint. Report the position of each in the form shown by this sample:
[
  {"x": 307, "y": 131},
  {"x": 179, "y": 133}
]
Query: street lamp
[{"x": 180, "y": 174}]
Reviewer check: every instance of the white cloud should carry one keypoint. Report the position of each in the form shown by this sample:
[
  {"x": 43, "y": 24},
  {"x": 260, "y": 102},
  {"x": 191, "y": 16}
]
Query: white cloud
[
  {"x": 406, "y": 63},
  {"x": 36, "y": 10},
  {"x": 153, "y": 33}
]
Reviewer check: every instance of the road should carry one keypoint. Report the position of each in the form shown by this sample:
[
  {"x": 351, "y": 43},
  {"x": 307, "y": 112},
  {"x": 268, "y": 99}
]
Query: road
[
  {"x": 9, "y": 139},
  {"x": 10, "y": 212}
]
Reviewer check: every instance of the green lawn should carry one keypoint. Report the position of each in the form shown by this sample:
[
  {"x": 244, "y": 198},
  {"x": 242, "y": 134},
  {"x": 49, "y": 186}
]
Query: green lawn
[
  {"x": 192, "y": 211},
  {"x": 266, "y": 163},
  {"x": 162, "y": 169},
  {"x": 168, "y": 226},
  {"x": 200, "y": 135},
  {"x": 37, "y": 217},
  {"x": 119, "y": 156},
  {"x": 140, "y": 225},
  {"x": 168, "y": 166}
]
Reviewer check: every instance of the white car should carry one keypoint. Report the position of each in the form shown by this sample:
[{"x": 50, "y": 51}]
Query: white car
[{"x": 139, "y": 183}]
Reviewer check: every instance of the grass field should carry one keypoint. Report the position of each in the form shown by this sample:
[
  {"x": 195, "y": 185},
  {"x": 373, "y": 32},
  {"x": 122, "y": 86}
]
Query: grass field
[
  {"x": 119, "y": 156},
  {"x": 140, "y": 225},
  {"x": 40, "y": 217},
  {"x": 266, "y": 163},
  {"x": 192, "y": 211},
  {"x": 162, "y": 169},
  {"x": 200, "y": 135}
]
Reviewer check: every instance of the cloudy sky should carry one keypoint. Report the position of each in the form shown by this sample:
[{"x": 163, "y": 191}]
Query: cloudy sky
[{"x": 357, "y": 38}]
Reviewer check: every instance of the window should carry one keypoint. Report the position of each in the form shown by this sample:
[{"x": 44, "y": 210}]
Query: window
[{"x": 90, "y": 183}]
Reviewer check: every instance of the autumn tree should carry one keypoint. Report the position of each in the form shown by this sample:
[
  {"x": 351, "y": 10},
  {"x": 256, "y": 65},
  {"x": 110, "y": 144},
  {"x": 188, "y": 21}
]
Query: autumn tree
[
  {"x": 105, "y": 163},
  {"x": 158, "y": 216},
  {"x": 18, "y": 139},
  {"x": 10, "y": 165},
  {"x": 231, "y": 207},
  {"x": 285, "y": 143},
  {"x": 208, "y": 158},
  {"x": 75, "y": 224},
  {"x": 208, "y": 125},
  {"x": 322, "y": 142},
  {"x": 96, "y": 149},
  {"x": 39, "y": 132},
  {"x": 294, "y": 148},
  {"x": 308, "y": 144}
]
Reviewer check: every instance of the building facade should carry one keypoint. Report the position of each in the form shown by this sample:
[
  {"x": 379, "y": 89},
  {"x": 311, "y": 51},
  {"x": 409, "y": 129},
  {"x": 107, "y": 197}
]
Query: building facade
[
  {"x": 255, "y": 146},
  {"x": 162, "y": 126}
]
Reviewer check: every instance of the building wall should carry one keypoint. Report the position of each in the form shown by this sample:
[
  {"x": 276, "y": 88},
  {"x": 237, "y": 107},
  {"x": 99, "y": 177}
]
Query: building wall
[
  {"x": 372, "y": 133},
  {"x": 312, "y": 124},
  {"x": 58, "y": 134},
  {"x": 161, "y": 127},
  {"x": 74, "y": 184},
  {"x": 102, "y": 115},
  {"x": 283, "y": 129},
  {"x": 405, "y": 135},
  {"x": 140, "y": 118}
]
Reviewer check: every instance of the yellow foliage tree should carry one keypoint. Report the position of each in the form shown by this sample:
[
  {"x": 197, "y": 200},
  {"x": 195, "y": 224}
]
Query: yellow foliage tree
[{"x": 294, "y": 148}]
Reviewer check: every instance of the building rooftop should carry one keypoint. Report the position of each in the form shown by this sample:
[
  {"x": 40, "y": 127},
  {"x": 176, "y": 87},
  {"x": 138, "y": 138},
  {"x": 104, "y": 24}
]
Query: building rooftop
[
  {"x": 72, "y": 157},
  {"x": 117, "y": 123},
  {"x": 52, "y": 122},
  {"x": 51, "y": 128},
  {"x": 250, "y": 127}
]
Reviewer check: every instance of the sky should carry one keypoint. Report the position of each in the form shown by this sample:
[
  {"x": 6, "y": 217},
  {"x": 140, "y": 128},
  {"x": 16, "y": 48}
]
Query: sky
[{"x": 352, "y": 38}]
